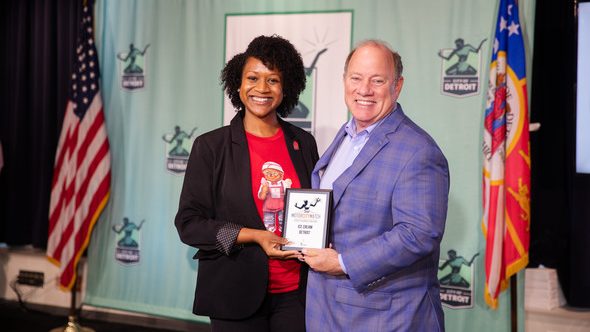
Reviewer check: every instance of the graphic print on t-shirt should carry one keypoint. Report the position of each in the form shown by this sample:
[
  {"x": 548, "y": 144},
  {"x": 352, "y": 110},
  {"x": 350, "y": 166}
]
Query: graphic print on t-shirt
[{"x": 272, "y": 191}]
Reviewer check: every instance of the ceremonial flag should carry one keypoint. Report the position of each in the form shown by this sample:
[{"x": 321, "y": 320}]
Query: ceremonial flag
[
  {"x": 506, "y": 157},
  {"x": 82, "y": 170}
]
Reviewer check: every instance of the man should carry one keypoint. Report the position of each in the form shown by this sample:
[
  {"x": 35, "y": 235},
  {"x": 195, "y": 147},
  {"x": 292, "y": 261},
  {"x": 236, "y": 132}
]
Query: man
[{"x": 390, "y": 186}]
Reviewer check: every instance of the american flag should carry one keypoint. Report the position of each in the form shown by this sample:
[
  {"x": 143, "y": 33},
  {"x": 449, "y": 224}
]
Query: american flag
[
  {"x": 506, "y": 162},
  {"x": 82, "y": 171}
]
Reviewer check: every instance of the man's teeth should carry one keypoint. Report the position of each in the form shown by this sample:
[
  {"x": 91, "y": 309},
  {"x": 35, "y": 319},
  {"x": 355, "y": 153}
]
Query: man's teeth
[{"x": 365, "y": 102}]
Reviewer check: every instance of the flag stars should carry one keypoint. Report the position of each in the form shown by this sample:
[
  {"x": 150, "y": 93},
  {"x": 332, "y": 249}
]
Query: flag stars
[
  {"x": 503, "y": 23},
  {"x": 513, "y": 29},
  {"x": 510, "y": 10},
  {"x": 84, "y": 83}
]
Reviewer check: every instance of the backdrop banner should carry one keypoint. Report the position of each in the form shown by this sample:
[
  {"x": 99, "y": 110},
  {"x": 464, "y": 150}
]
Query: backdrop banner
[{"x": 160, "y": 67}]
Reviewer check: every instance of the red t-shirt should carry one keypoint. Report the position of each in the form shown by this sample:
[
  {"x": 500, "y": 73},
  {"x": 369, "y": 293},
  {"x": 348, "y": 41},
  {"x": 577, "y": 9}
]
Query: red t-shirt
[{"x": 272, "y": 173}]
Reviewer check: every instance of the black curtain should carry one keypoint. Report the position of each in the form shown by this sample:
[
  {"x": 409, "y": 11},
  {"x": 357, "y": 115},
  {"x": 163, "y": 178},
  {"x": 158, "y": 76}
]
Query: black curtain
[
  {"x": 38, "y": 40},
  {"x": 560, "y": 198}
]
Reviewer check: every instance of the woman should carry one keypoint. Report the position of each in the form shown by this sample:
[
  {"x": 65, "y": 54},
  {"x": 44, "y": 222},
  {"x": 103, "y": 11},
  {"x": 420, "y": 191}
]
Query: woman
[{"x": 231, "y": 201}]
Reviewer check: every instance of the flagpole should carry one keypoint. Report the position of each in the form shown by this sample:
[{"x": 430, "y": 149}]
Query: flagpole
[
  {"x": 513, "y": 304},
  {"x": 72, "y": 325}
]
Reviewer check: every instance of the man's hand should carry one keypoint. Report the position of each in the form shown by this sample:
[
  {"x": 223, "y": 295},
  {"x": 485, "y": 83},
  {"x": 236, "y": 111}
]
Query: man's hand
[{"x": 323, "y": 260}]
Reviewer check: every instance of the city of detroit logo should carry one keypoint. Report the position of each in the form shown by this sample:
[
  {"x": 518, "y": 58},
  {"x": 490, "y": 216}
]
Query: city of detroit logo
[
  {"x": 128, "y": 241},
  {"x": 455, "y": 275},
  {"x": 178, "y": 147},
  {"x": 132, "y": 68},
  {"x": 460, "y": 69}
]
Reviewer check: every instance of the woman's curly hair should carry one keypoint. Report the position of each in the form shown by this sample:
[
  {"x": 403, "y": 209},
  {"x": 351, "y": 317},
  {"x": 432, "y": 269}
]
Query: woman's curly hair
[{"x": 276, "y": 53}]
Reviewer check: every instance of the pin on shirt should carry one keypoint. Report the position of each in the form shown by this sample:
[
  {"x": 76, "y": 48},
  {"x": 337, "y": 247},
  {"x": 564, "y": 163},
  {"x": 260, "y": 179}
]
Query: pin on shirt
[{"x": 296, "y": 145}]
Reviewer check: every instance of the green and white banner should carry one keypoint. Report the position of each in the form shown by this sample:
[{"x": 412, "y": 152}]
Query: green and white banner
[
  {"x": 320, "y": 37},
  {"x": 160, "y": 65}
]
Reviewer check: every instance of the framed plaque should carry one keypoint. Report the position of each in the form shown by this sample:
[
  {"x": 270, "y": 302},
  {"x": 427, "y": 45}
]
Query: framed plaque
[{"x": 307, "y": 218}]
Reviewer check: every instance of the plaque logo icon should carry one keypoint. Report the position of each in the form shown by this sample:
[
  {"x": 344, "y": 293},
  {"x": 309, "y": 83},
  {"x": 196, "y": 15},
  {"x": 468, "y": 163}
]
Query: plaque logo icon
[{"x": 305, "y": 205}]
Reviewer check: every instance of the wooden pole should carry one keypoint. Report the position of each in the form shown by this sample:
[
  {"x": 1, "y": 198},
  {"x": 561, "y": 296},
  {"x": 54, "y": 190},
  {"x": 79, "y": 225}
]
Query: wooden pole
[{"x": 513, "y": 304}]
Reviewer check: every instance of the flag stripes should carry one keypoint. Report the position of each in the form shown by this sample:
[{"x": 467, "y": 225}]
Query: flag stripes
[{"x": 82, "y": 171}]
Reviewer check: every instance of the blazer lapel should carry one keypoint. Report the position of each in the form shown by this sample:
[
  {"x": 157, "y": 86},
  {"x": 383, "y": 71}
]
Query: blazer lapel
[
  {"x": 367, "y": 153},
  {"x": 295, "y": 152},
  {"x": 321, "y": 165},
  {"x": 241, "y": 165},
  {"x": 377, "y": 141}
]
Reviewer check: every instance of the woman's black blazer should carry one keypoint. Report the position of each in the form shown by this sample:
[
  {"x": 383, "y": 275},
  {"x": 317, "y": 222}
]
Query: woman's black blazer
[{"x": 217, "y": 190}]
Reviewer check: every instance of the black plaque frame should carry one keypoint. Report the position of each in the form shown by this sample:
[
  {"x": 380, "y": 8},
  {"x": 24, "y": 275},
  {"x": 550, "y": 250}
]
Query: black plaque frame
[{"x": 300, "y": 216}]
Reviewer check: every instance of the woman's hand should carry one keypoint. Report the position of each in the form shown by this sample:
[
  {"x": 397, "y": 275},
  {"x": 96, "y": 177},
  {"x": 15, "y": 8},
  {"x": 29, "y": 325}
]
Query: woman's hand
[{"x": 268, "y": 241}]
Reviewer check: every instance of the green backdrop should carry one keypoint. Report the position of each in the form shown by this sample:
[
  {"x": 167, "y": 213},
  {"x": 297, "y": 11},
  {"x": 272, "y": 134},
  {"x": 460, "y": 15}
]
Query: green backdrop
[{"x": 180, "y": 46}]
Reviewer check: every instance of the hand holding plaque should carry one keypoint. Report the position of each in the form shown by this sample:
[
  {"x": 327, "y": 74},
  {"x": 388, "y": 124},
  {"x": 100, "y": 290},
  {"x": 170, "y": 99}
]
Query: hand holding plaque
[{"x": 307, "y": 218}]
